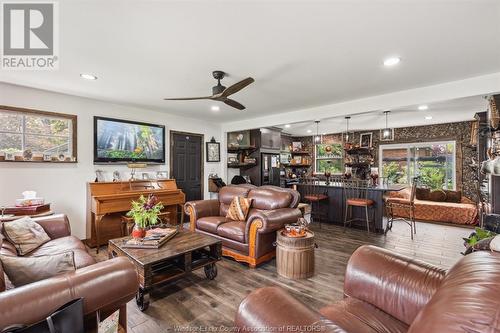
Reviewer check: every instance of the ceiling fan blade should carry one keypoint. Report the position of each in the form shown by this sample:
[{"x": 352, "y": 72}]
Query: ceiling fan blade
[
  {"x": 237, "y": 87},
  {"x": 187, "y": 98},
  {"x": 234, "y": 104}
]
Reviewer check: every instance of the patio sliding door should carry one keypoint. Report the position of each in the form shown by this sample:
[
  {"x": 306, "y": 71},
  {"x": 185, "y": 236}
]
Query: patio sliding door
[{"x": 432, "y": 162}]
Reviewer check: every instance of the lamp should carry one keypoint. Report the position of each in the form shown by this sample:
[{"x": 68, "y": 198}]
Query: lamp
[
  {"x": 386, "y": 134},
  {"x": 317, "y": 138},
  {"x": 347, "y": 136}
]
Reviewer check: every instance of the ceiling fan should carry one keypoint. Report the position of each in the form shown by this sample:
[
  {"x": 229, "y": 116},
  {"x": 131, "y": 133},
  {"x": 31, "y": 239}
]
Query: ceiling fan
[{"x": 221, "y": 93}]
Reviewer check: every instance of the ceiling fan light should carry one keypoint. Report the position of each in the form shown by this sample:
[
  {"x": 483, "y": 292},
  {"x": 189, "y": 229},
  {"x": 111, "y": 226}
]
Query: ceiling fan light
[{"x": 392, "y": 61}]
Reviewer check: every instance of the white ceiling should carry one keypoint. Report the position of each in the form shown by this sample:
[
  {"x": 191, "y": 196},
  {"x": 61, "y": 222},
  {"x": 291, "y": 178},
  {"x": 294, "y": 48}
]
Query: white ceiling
[
  {"x": 443, "y": 112},
  {"x": 301, "y": 53}
]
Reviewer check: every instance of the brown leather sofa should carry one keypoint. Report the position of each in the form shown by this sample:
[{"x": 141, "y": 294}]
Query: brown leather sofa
[
  {"x": 250, "y": 241},
  {"x": 105, "y": 286},
  {"x": 386, "y": 292}
]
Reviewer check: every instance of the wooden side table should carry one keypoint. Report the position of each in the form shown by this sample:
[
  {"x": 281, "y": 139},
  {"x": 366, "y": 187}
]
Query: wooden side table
[{"x": 295, "y": 256}]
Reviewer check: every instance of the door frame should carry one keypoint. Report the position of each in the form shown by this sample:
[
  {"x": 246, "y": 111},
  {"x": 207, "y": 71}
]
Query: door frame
[{"x": 202, "y": 156}]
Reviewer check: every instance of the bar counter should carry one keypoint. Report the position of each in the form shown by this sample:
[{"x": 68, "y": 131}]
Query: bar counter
[{"x": 336, "y": 204}]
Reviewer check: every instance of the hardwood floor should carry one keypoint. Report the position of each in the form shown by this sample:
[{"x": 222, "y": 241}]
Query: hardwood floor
[{"x": 195, "y": 303}]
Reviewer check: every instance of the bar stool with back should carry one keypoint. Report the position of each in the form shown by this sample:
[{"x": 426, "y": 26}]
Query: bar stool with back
[
  {"x": 356, "y": 195},
  {"x": 315, "y": 195},
  {"x": 405, "y": 205}
]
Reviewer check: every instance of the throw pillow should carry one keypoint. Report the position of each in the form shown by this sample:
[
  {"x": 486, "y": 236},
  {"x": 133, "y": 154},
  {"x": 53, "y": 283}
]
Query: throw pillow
[
  {"x": 24, "y": 270},
  {"x": 437, "y": 195},
  {"x": 238, "y": 209},
  {"x": 453, "y": 196},
  {"x": 422, "y": 193},
  {"x": 25, "y": 234}
]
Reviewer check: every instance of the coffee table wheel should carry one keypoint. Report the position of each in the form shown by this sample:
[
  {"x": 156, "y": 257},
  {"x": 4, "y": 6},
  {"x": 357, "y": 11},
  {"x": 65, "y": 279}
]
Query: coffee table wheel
[
  {"x": 142, "y": 300},
  {"x": 211, "y": 271}
]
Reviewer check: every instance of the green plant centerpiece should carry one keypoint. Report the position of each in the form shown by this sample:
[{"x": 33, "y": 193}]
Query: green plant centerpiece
[
  {"x": 478, "y": 240},
  {"x": 145, "y": 213}
]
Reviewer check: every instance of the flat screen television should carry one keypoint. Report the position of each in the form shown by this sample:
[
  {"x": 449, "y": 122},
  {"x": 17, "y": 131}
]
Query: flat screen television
[{"x": 124, "y": 141}]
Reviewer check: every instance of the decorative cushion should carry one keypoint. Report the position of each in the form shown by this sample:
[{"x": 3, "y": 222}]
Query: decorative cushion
[
  {"x": 24, "y": 270},
  {"x": 422, "y": 193},
  {"x": 25, "y": 234},
  {"x": 437, "y": 195},
  {"x": 453, "y": 196},
  {"x": 238, "y": 209}
]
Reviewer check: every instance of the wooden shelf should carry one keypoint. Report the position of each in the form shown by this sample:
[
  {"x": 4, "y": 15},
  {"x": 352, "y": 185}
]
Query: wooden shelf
[
  {"x": 297, "y": 165},
  {"x": 47, "y": 162},
  {"x": 241, "y": 165},
  {"x": 240, "y": 149},
  {"x": 359, "y": 151},
  {"x": 357, "y": 165}
]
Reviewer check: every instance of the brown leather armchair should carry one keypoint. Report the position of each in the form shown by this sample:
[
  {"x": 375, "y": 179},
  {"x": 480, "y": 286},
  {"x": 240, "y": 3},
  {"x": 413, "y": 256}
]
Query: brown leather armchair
[
  {"x": 105, "y": 286},
  {"x": 386, "y": 292},
  {"x": 250, "y": 241}
]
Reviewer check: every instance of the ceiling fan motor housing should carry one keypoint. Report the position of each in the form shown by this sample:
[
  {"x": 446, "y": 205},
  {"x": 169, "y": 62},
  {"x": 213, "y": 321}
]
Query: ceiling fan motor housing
[{"x": 218, "y": 89}]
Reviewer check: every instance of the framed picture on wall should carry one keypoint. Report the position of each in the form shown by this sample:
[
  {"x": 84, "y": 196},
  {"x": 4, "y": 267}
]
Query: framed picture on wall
[
  {"x": 296, "y": 146},
  {"x": 238, "y": 139},
  {"x": 365, "y": 140},
  {"x": 213, "y": 151}
]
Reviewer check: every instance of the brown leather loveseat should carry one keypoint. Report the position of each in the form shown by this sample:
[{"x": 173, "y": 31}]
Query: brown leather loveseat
[
  {"x": 105, "y": 286},
  {"x": 250, "y": 241},
  {"x": 386, "y": 292}
]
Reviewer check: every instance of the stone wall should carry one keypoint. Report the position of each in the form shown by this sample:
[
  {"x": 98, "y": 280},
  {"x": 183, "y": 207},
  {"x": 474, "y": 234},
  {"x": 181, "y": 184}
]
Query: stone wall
[{"x": 459, "y": 132}]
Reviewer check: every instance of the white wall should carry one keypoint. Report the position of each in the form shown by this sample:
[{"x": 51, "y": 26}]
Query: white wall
[{"x": 64, "y": 185}]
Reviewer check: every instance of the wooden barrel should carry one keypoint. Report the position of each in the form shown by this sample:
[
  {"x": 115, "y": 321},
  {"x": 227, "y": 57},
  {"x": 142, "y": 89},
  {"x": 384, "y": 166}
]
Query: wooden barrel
[{"x": 295, "y": 256}]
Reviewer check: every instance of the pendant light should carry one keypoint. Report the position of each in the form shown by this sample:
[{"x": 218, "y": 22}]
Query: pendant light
[
  {"x": 347, "y": 136},
  {"x": 317, "y": 138},
  {"x": 386, "y": 134}
]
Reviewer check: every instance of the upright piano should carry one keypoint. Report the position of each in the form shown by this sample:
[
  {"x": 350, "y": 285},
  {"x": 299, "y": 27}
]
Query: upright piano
[{"x": 108, "y": 201}]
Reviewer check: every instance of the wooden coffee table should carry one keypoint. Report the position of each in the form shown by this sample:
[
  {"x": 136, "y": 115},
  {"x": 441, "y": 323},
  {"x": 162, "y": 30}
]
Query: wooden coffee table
[{"x": 184, "y": 253}]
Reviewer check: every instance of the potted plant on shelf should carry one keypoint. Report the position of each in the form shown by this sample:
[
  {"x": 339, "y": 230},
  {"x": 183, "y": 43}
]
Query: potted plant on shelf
[{"x": 145, "y": 213}]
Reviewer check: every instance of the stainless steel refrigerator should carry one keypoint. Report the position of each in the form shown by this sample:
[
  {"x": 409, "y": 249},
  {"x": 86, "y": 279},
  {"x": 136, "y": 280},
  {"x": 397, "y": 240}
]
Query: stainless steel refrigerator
[{"x": 270, "y": 169}]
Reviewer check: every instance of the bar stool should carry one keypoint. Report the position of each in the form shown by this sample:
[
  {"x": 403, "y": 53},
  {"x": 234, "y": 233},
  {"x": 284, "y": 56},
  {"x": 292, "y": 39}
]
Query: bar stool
[
  {"x": 315, "y": 195},
  {"x": 356, "y": 195},
  {"x": 402, "y": 205}
]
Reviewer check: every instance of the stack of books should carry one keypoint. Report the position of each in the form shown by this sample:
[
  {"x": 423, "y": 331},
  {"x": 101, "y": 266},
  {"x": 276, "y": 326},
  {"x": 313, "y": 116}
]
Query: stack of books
[{"x": 154, "y": 239}]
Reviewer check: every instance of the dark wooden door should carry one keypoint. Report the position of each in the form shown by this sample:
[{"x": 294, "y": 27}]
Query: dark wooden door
[{"x": 186, "y": 162}]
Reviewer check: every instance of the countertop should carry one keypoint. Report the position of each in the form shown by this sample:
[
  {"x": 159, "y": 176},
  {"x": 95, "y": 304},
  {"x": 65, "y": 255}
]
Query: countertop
[{"x": 379, "y": 187}]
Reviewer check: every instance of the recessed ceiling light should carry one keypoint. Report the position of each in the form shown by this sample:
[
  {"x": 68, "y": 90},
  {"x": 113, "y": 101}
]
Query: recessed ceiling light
[
  {"x": 428, "y": 117},
  {"x": 88, "y": 76},
  {"x": 423, "y": 107},
  {"x": 309, "y": 131},
  {"x": 215, "y": 108},
  {"x": 288, "y": 126},
  {"x": 392, "y": 61}
]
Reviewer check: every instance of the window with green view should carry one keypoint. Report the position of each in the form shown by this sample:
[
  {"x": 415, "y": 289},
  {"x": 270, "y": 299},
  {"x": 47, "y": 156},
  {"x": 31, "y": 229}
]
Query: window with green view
[
  {"x": 432, "y": 162},
  {"x": 329, "y": 158},
  {"x": 39, "y": 133}
]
